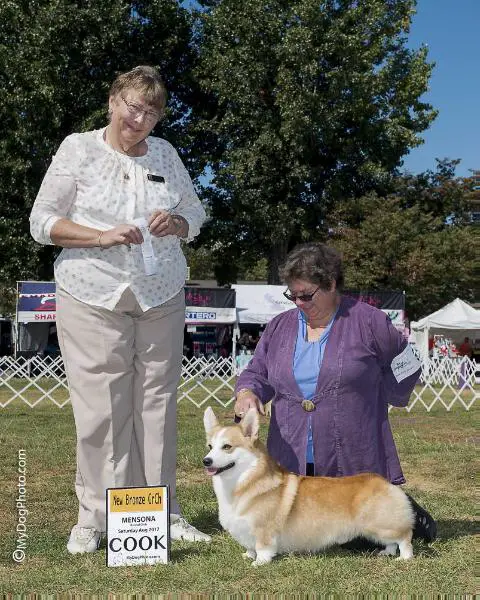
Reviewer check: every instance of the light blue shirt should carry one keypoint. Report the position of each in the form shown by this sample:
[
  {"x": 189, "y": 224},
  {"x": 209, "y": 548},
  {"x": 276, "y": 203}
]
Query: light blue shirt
[{"x": 307, "y": 361}]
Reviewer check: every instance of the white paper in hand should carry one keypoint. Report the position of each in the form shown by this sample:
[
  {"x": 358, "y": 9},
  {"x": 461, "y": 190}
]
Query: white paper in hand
[
  {"x": 149, "y": 259},
  {"x": 405, "y": 364}
]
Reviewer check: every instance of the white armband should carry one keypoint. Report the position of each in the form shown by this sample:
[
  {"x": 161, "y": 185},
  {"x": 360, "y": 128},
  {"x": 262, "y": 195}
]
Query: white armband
[{"x": 405, "y": 364}]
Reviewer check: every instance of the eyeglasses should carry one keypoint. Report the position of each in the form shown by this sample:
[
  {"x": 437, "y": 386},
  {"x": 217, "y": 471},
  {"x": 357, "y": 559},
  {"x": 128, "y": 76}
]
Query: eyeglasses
[
  {"x": 149, "y": 115},
  {"x": 302, "y": 297}
]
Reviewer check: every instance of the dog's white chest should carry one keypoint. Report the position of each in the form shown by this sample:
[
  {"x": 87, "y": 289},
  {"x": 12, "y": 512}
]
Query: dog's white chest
[
  {"x": 236, "y": 524},
  {"x": 238, "y": 527}
]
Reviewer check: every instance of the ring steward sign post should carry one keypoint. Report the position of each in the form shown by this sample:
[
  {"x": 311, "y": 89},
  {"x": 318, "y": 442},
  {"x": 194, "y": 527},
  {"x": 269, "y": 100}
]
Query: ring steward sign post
[{"x": 138, "y": 526}]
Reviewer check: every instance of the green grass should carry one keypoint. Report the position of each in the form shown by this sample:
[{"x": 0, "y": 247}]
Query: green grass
[{"x": 437, "y": 450}]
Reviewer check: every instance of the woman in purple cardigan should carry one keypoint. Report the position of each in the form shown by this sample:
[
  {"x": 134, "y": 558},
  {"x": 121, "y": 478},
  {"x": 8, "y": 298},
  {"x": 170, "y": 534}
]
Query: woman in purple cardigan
[{"x": 332, "y": 365}]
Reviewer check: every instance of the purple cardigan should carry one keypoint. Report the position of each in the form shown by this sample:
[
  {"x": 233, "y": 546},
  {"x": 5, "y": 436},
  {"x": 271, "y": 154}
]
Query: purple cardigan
[{"x": 351, "y": 432}]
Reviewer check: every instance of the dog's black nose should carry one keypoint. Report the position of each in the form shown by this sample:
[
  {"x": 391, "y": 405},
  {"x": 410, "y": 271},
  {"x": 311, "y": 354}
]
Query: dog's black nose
[{"x": 207, "y": 461}]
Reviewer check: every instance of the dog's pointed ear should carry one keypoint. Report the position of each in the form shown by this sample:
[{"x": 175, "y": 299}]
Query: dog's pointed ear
[
  {"x": 250, "y": 424},
  {"x": 209, "y": 420}
]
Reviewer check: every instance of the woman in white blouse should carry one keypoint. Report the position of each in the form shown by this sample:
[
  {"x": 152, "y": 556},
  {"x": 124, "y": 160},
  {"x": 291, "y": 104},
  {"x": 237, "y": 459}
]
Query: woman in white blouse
[{"x": 118, "y": 201}]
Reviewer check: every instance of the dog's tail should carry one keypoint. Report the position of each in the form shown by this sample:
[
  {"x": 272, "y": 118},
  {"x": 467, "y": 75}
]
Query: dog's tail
[{"x": 425, "y": 526}]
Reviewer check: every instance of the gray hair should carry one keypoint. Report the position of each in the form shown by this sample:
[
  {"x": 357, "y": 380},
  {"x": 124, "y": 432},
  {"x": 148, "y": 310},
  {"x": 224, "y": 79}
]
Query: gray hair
[
  {"x": 146, "y": 80},
  {"x": 316, "y": 263}
]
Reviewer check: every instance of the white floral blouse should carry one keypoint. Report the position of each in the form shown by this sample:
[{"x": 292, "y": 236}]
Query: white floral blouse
[{"x": 86, "y": 183}]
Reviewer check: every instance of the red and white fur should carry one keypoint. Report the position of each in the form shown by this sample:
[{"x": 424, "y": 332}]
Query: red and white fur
[{"x": 270, "y": 511}]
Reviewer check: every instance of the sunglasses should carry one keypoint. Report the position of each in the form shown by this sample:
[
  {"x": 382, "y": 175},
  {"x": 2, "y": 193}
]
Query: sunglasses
[{"x": 302, "y": 297}]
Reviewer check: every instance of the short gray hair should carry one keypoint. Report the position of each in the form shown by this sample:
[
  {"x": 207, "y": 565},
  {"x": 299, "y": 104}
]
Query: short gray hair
[
  {"x": 316, "y": 263},
  {"x": 146, "y": 80}
]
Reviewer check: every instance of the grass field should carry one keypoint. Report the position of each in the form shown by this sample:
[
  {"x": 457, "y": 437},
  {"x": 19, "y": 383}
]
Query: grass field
[{"x": 437, "y": 450}]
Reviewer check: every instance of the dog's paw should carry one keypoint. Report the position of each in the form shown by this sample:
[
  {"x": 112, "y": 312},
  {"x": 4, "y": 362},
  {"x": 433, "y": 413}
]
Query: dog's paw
[
  {"x": 390, "y": 550},
  {"x": 261, "y": 561},
  {"x": 249, "y": 554},
  {"x": 264, "y": 556}
]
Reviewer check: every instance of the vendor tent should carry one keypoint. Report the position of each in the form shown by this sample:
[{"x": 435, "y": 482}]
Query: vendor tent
[
  {"x": 35, "y": 301},
  {"x": 35, "y": 315},
  {"x": 260, "y": 303},
  {"x": 209, "y": 306},
  {"x": 36, "y": 311},
  {"x": 456, "y": 320}
]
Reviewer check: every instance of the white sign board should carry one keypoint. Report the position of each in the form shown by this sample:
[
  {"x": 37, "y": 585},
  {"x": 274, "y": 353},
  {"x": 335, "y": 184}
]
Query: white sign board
[
  {"x": 260, "y": 303},
  {"x": 206, "y": 315},
  {"x": 396, "y": 316},
  {"x": 25, "y": 316},
  {"x": 138, "y": 526}
]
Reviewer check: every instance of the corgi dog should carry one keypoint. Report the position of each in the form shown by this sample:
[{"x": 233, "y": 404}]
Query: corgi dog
[{"x": 270, "y": 511}]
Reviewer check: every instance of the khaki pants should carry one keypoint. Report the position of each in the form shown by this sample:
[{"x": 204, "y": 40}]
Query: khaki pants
[{"x": 123, "y": 368}]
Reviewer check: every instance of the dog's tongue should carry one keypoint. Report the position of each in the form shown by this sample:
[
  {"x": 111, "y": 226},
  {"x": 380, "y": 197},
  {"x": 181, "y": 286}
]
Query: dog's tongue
[{"x": 211, "y": 471}]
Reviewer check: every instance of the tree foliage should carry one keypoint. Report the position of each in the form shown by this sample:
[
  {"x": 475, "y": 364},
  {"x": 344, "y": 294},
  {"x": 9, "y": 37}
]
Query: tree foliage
[
  {"x": 404, "y": 241},
  {"x": 57, "y": 61},
  {"x": 314, "y": 101},
  {"x": 438, "y": 192},
  {"x": 302, "y": 109}
]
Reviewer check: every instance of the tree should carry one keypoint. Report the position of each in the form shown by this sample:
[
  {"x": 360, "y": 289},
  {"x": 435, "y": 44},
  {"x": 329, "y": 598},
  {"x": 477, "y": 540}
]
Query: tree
[
  {"x": 314, "y": 100},
  {"x": 57, "y": 61},
  {"x": 387, "y": 246},
  {"x": 438, "y": 192},
  {"x": 199, "y": 262},
  {"x": 7, "y": 301}
]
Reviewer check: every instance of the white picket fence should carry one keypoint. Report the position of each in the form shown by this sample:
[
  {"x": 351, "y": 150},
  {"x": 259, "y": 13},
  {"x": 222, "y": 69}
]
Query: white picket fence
[{"x": 446, "y": 382}]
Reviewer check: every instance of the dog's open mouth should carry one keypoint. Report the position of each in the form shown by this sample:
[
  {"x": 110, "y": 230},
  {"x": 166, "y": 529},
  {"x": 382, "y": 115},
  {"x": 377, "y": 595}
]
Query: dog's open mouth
[{"x": 215, "y": 471}]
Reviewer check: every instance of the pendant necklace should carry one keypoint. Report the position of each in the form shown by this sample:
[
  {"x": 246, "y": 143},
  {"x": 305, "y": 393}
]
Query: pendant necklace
[{"x": 126, "y": 175}]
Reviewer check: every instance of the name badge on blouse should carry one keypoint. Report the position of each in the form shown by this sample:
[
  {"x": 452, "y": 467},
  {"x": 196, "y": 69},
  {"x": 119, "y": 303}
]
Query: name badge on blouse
[
  {"x": 156, "y": 178},
  {"x": 149, "y": 259}
]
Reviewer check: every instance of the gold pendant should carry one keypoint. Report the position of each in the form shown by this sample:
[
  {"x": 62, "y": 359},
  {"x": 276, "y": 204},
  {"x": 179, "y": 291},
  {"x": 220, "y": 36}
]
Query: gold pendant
[{"x": 308, "y": 405}]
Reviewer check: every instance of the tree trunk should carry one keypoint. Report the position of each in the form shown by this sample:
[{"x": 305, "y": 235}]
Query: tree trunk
[{"x": 276, "y": 258}]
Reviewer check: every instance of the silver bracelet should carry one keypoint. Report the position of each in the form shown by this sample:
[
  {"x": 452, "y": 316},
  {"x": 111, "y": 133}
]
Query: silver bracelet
[{"x": 178, "y": 222}]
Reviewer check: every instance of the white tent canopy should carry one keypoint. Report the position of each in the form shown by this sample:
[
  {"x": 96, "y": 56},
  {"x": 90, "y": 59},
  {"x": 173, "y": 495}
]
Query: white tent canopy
[{"x": 456, "y": 320}]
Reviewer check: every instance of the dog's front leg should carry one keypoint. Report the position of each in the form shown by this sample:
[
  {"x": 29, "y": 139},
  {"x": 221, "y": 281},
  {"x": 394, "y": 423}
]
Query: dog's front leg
[
  {"x": 250, "y": 553},
  {"x": 265, "y": 552}
]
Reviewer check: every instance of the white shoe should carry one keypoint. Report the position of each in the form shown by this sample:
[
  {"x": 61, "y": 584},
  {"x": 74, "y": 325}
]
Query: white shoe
[
  {"x": 180, "y": 529},
  {"x": 83, "y": 539}
]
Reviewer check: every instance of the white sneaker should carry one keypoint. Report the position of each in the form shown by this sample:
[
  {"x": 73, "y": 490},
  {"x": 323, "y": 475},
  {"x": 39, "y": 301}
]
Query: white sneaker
[
  {"x": 83, "y": 539},
  {"x": 180, "y": 529}
]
